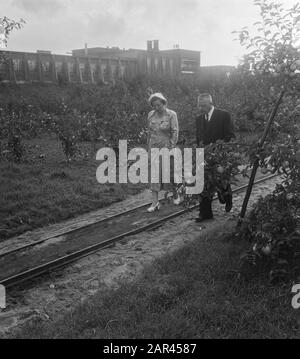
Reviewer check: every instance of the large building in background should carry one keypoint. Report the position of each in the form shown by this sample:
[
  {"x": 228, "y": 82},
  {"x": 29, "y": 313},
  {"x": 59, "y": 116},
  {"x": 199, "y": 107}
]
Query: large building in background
[
  {"x": 152, "y": 61},
  {"x": 99, "y": 64}
]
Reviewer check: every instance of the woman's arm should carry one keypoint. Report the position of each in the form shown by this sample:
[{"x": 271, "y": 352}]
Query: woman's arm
[
  {"x": 174, "y": 129},
  {"x": 150, "y": 114}
]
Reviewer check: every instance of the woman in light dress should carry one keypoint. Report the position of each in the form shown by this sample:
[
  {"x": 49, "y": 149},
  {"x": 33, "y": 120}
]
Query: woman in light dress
[{"x": 162, "y": 133}]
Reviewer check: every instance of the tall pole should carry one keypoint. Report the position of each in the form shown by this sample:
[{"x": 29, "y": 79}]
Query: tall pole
[{"x": 256, "y": 162}]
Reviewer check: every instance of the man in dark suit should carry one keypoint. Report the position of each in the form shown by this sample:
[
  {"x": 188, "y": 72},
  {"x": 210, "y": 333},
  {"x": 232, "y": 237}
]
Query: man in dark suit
[{"x": 213, "y": 124}]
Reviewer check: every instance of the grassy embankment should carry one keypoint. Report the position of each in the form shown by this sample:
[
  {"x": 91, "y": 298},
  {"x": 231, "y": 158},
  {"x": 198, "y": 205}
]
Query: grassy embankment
[
  {"x": 40, "y": 191},
  {"x": 192, "y": 293}
]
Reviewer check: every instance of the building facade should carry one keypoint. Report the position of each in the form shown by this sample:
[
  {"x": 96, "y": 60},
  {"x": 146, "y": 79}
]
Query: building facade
[{"x": 94, "y": 65}]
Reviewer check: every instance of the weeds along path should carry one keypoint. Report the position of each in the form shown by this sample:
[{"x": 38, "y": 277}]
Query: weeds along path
[
  {"x": 70, "y": 286},
  {"x": 81, "y": 221},
  {"x": 74, "y": 223},
  {"x": 50, "y": 253}
]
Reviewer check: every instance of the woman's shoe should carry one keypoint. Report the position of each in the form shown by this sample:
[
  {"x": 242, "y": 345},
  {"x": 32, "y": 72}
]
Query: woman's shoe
[
  {"x": 177, "y": 201},
  {"x": 154, "y": 208}
]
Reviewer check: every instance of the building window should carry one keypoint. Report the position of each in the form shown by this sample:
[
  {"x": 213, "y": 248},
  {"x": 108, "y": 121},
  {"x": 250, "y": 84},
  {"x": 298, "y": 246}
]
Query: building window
[
  {"x": 113, "y": 69},
  {"x": 46, "y": 66},
  {"x": 93, "y": 68},
  {"x": 82, "y": 67},
  {"x": 3, "y": 67},
  {"x": 148, "y": 64},
  {"x": 58, "y": 66},
  {"x": 70, "y": 67},
  {"x": 17, "y": 63},
  {"x": 122, "y": 69},
  {"x": 32, "y": 65},
  {"x": 188, "y": 65},
  {"x": 171, "y": 65},
  {"x": 103, "y": 68}
]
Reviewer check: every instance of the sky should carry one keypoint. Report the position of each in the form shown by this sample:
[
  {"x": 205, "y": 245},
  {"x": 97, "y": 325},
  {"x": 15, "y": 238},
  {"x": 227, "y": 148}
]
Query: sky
[{"x": 202, "y": 25}]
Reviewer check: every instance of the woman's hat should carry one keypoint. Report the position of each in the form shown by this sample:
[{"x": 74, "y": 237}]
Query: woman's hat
[{"x": 157, "y": 95}]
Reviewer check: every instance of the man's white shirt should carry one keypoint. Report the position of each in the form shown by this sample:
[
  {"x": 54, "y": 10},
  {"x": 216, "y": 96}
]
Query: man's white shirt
[{"x": 208, "y": 116}]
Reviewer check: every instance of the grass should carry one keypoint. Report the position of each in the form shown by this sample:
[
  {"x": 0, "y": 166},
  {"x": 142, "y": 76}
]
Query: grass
[
  {"x": 188, "y": 294},
  {"x": 44, "y": 188},
  {"x": 41, "y": 191}
]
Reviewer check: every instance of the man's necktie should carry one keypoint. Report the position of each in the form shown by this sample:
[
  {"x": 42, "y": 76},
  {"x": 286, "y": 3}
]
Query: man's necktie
[{"x": 206, "y": 119}]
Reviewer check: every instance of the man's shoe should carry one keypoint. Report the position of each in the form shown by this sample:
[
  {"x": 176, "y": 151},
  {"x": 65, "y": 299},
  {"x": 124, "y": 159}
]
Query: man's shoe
[
  {"x": 228, "y": 199},
  {"x": 221, "y": 198},
  {"x": 177, "y": 201},
  {"x": 202, "y": 218}
]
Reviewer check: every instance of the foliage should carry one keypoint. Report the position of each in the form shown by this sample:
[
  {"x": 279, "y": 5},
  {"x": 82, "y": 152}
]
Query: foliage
[
  {"x": 8, "y": 25},
  {"x": 274, "y": 49},
  {"x": 10, "y": 129},
  {"x": 272, "y": 228},
  {"x": 272, "y": 225},
  {"x": 274, "y": 57},
  {"x": 106, "y": 113},
  {"x": 221, "y": 167}
]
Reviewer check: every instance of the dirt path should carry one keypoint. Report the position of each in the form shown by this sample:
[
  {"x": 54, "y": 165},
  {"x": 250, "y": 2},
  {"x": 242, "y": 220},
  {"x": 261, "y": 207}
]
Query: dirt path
[
  {"x": 74, "y": 223},
  {"x": 80, "y": 221},
  {"x": 52, "y": 297}
]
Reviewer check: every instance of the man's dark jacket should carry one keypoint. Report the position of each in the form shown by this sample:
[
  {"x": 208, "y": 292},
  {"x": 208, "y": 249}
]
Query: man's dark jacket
[{"x": 220, "y": 127}]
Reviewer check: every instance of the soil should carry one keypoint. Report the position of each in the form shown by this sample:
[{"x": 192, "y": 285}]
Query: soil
[{"x": 49, "y": 297}]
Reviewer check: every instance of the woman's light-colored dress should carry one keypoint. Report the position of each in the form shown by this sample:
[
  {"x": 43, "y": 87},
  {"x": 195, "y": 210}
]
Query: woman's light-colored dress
[{"x": 162, "y": 133}]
